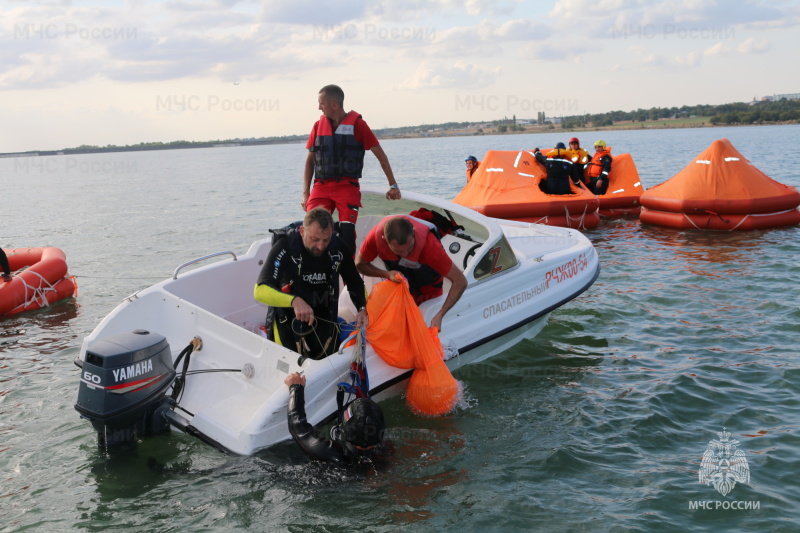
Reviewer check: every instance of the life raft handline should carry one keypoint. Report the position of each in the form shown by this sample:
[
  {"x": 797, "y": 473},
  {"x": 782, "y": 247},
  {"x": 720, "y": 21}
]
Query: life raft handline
[{"x": 40, "y": 278}]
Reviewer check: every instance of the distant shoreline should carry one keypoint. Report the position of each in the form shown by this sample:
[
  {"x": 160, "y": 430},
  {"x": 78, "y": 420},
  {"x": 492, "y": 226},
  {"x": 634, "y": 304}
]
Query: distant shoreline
[
  {"x": 693, "y": 122},
  {"x": 136, "y": 148}
]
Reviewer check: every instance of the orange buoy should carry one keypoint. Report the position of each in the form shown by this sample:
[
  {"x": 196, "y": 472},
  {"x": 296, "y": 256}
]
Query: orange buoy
[{"x": 40, "y": 278}]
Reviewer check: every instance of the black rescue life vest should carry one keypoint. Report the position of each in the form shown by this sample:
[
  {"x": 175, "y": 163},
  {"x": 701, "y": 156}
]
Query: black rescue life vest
[
  {"x": 315, "y": 282},
  {"x": 338, "y": 154}
]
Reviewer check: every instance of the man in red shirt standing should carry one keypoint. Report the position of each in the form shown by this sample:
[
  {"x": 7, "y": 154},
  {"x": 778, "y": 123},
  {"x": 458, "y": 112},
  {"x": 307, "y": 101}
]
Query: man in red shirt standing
[
  {"x": 336, "y": 148},
  {"x": 409, "y": 247}
]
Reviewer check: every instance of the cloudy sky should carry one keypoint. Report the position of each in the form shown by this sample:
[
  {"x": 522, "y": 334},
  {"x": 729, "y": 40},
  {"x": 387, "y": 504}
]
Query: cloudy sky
[{"x": 113, "y": 72}]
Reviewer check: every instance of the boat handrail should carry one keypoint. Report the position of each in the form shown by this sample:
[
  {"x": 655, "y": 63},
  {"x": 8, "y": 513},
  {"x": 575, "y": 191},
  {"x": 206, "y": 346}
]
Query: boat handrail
[{"x": 193, "y": 261}]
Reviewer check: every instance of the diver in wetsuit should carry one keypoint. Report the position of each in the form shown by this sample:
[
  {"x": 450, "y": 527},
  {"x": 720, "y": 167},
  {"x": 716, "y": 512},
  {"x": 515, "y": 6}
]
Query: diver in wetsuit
[
  {"x": 300, "y": 283},
  {"x": 358, "y": 435}
]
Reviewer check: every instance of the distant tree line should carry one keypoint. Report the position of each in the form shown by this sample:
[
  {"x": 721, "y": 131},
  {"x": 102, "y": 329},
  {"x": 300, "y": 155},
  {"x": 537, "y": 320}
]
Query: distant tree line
[
  {"x": 761, "y": 112},
  {"x": 416, "y": 130},
  {"x": 735, "y": 113}
]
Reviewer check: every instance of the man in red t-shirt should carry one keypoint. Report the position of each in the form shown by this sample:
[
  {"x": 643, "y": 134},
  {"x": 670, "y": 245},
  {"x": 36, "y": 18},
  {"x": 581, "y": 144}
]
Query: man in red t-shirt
[
  {"x": 409, "y": 247},
  {"x": 336, "y": 148}
]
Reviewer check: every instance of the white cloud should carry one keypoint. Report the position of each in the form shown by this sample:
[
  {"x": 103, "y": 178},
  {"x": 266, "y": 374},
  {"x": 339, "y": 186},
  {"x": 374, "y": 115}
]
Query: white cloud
[
  {"x": 717, "y": 49},
  {"x": 522, "y": 30},
  {"x": 461, "y": 75},
  {"x": 313, "y": 12},
  {"x": 654, "y": 61},
  {"x": 753, "y": 46},
  {"x": 587, "y": 9},
  {"x": 486, "y": 39},
  {"x": 692, "y": 59},
  {"x": 53, "y": 46},
  {"x": 491, "y": 7},
  {"x": 552, "y": 52},
  {"x": 671, "y": 18},
  {"x": 748, "y": 46}
]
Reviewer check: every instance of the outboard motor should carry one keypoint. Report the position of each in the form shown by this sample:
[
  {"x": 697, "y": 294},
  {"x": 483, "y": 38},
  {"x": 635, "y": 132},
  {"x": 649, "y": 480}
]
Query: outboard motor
[{"x": 124, "y": 381}]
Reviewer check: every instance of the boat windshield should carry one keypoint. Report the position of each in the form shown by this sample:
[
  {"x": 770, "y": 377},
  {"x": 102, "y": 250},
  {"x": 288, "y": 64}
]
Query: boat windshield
[
  {"x": 497, "y": 259},
  {"x": 378, "y": 207}
]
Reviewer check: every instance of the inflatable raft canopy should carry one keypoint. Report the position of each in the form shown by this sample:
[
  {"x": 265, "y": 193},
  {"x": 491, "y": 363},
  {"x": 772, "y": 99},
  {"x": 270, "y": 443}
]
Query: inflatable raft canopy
[
  {"x": 507, "y": 185},
  {"x": 40, "y": 278},
  {"x": 720, "y": 190}
]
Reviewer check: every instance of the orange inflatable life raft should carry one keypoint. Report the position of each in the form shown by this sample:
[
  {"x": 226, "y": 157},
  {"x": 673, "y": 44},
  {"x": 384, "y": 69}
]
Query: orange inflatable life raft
[
  {"x": 720, "y": 190},
  {"x": 507, "y": 185},
  {"x": 624, "y": 188},
  {"x": 40, "y": 278}
]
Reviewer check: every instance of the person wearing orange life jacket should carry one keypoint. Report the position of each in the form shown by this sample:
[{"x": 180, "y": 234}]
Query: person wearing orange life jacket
[
  {"x": 580, "y": 157},
  {"x": 598, "y": 168},
  {"x": 336, "y": 148},
  {"x": 411, "y": 248},
  {"x": 559, "y": 169}
]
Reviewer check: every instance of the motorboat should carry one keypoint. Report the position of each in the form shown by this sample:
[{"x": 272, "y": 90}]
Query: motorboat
[{"x": 200, "y": 332}]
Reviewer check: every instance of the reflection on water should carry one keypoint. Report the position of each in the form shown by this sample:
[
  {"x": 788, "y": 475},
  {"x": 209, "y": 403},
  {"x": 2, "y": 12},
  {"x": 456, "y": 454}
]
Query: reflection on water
[
  {"x": 130, "y": 471},
  {"x": 734, "y": 247},
  {"x": 424, "y": 464}
]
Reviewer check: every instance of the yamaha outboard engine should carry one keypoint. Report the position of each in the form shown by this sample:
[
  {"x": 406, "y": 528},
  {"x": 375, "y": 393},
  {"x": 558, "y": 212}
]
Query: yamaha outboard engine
[{"x": 124, "y": 381}]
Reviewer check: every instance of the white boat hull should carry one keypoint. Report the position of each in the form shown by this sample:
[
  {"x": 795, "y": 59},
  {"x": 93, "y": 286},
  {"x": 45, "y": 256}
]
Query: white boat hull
[{"x": 243, "y": 410}]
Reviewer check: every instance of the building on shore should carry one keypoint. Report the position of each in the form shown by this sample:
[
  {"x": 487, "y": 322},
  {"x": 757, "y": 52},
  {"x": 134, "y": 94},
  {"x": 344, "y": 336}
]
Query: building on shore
[{"x": 777, "y": 97}]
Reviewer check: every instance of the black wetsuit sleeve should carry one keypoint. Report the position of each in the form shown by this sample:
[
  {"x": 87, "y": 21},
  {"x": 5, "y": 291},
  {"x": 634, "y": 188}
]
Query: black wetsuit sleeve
[
  {"x": 354, "y": 282},
  {"x": 4, "y": 263},
  {"x": 605, "y": 161},
  {"x": 304, "y": 433},
  {"x": 275, "y": 273}
]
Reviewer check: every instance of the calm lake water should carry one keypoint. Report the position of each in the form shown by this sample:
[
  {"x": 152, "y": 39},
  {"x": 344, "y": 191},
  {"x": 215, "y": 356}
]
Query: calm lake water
[{"x": 598, "y": 424}]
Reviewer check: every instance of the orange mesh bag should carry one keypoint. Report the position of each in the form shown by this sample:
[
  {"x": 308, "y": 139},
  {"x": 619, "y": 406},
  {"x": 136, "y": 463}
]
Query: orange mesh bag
[{"x": 399, "y": 335}]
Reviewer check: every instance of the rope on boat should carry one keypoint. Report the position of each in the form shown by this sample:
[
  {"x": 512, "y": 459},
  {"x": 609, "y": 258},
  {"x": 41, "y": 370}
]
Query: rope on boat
[{"x": 358, "y": 387}]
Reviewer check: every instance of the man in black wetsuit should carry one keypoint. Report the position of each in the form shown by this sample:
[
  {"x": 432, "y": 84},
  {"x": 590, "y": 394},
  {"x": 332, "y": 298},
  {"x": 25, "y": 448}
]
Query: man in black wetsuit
[
  {"x": 559, "y": 169},
  {"x": 358, "y": 436},
  {"x": 300, "y": 283}
]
